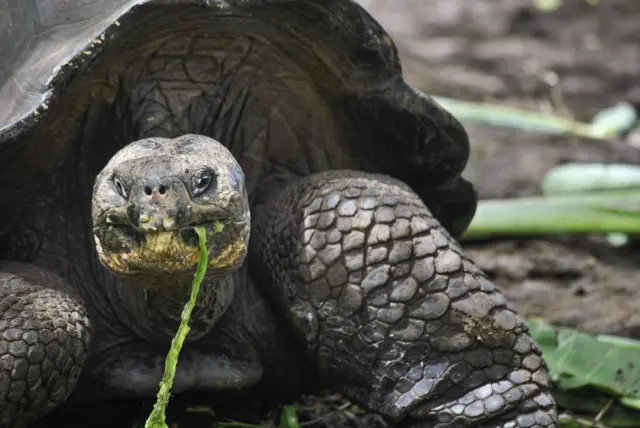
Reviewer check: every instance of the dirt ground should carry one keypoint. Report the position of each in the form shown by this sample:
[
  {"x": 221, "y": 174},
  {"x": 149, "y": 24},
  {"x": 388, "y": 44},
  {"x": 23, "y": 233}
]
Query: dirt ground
[{"x": 575, "y": 61}]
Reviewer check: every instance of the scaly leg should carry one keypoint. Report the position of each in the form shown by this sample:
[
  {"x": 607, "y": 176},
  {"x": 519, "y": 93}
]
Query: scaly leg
[
  {"x": 393, "y": 313},
  {"x": 44, "y": 337}
]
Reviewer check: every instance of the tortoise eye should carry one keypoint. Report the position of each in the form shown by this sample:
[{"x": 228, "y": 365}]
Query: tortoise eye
[
  {"x": 202, "y": 182},
  {"x": 120, "y": 188}
]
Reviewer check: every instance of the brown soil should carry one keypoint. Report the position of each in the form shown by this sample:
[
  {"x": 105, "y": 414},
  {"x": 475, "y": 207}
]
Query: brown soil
[{"x": 574, "y": 61}]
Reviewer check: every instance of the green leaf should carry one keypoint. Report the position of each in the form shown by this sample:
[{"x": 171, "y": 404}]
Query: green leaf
[
  {"x": 591, "y": 374},
  {"x": 633, "y": 403},
  {"x": 578, "y": 359},
  {"x": 623, "y": 342}
]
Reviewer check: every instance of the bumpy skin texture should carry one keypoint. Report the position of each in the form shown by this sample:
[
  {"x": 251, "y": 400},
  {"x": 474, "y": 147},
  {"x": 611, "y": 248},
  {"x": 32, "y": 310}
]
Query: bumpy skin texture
[
  {"x": 44, "y": 338},
  {"x": 392, "y": 311},
  {"x": 385, "y": 305}
]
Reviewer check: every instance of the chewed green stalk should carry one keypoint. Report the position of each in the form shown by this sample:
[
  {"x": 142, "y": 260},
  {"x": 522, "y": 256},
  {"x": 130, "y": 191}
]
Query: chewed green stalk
[{"x": 157, "y": 417}]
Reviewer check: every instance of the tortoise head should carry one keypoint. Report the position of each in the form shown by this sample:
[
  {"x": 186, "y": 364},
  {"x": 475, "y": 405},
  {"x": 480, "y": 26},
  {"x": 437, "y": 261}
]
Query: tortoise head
[{"x": 153, "y": 193}]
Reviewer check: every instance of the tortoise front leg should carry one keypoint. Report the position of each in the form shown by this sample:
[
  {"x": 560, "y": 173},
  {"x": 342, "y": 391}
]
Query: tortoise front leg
[
  {"x": 394, "y": 314},
  {"x": 44, "y": 338}
]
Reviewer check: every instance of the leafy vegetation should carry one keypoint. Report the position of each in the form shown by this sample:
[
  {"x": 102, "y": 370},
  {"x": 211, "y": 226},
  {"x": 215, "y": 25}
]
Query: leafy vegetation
[
  {"x": 577, "y": 197},
  {"x": 596, "y": 378}
]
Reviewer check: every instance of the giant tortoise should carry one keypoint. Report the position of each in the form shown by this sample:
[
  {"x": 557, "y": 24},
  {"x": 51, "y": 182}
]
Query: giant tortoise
[{"x": 330, "y": 190}]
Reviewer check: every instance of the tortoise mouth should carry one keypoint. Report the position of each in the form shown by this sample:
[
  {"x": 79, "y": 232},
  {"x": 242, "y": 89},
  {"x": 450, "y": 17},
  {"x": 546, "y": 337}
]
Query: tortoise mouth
[
  {"x": 127, "y": 250},
  {"x": 187, "y": 233}
]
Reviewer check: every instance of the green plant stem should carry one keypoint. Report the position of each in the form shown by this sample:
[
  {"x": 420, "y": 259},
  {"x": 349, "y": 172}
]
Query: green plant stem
[
  {"x": 596, "y": 212},
  {"x": 583, "y": 178},
  {"x": 511, "y": 117},
  {"x": 157, "y": 418},
  {"x": 609, "y": 123}
]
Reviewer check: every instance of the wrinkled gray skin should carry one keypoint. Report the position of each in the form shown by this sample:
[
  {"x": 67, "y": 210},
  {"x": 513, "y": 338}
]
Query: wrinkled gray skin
[{"x": 350, "y": 281}]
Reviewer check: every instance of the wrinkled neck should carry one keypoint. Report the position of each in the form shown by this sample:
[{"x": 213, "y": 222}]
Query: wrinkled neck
[{"x": 152, "y": 307}]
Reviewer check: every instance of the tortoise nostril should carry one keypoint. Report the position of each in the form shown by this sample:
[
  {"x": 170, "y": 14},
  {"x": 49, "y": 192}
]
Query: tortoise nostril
[
  {"x": 162, "y": 189},
  {"x": 147, "y": 190}
]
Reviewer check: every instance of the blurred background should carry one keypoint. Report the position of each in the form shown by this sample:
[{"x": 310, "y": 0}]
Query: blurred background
[
  {"x": 549, "y": 92},
  {"x": 569, "y": 59}
]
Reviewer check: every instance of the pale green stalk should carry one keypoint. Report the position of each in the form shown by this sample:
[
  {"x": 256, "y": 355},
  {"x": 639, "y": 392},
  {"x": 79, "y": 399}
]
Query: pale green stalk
[
  {"x": 609, "y": 123},
  {"x": 157, "y": 417},
  {"x": 594, "y": 212}
]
